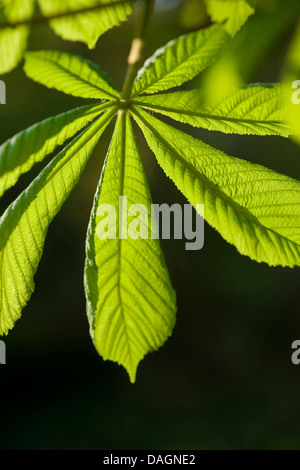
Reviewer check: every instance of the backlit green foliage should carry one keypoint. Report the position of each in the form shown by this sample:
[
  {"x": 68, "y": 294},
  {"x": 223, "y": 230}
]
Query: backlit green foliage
[
  {"x": 131, "y": 304},
  {"x": 86, "y": 27},
  {"x": 234, "y": 13}
]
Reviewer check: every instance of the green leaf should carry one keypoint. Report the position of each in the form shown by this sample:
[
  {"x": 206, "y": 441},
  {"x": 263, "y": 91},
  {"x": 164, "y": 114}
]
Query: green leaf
[
  {"x": 255, "y": 109},
  {"x": 69, "y": 73},
  {"x": 180, "y": 60},
  {"x": 89, "y": 26},
  {"x": 235, "y": 12},
  {"x": 23, "y": 227},
  {"x": 13, "y": 41},
  {"x": 12, "y": 46},
  {"x": 131, "y": 303},
  {"x": 21, "y": 152},
  {"x": 256, "y": 42},
  {"x": 252, "y": 207}
]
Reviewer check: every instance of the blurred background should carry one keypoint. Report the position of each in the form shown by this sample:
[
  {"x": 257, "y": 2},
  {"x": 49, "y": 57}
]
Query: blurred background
[{"x": 225, "y": 379}]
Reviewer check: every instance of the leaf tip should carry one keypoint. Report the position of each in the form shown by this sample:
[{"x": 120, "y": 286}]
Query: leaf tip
[{"x": 131, "y": 371}]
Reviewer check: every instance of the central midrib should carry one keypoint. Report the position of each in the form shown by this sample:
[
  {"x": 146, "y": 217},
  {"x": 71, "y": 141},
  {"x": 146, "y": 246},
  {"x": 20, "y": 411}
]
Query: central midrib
[
  {"x": 121, "y": 193},
  {"x": 204, "y": 115}
]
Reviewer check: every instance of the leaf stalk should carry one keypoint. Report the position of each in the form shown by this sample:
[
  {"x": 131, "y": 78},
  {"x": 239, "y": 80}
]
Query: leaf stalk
[{"x": 136, "y": 54}]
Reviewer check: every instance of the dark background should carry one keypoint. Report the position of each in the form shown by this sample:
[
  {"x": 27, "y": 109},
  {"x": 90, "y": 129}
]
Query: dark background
[{"x": 225, "y": 379}]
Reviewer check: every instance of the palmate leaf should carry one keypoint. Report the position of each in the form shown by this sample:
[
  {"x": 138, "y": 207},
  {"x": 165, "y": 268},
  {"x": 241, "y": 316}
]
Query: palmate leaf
[
  {"x": 13, "y": 41},
  {"x": 234, "y": 12},
  {"x": 89, "y": 26},
  {"x": 23, "y": 227},
  {"x": 21, "y": 152},
  {"x": 180, "y": 60},
  {"x": 69, "y": 73},
  {"x": 253, "y": 208},
  {"x": 256, "y": 109},
  {"x": 131, "y": 303}
]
